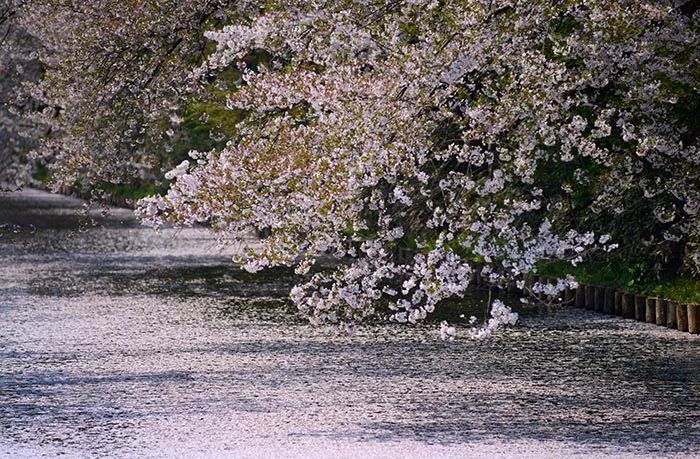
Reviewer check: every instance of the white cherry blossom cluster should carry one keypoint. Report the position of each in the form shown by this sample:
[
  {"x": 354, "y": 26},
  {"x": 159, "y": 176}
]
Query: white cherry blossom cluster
[{"x": 501, "y": 316}]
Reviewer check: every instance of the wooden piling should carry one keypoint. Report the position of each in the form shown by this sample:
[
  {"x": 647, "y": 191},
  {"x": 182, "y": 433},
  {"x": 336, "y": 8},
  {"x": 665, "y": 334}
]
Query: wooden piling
[
  {"x": 650, "y": 316},
  {"x": 660, "y": 311},
  {"x": 671, "y": 314},
  {"x": 609, "y": 304},
  {"x": 618, "y": 303},
  {"x": 590, "y": 297},
  {"x": 599, "y": 299},
  {"x": 580, "y": 300},
  {"x": 640, "y": 305},
  {"x": 694, "y": 318},
  {"x": 628, "y": 306},
  {"x": 682, "y": 317}
]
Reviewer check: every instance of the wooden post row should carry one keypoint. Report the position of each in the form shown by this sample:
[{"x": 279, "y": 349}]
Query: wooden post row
[{"x": 684, "y": 317}]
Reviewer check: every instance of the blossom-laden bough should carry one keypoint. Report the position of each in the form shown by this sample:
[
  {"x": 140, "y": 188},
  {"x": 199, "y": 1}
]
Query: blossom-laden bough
[
  {"x": 19, "y": 65},
  {"x": 114, "y": 78},
  {"x": 506, "y": 133}
]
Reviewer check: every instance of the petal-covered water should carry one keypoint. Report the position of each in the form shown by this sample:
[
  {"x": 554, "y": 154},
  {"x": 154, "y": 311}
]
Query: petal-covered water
[{"x": 123, "y": 342}]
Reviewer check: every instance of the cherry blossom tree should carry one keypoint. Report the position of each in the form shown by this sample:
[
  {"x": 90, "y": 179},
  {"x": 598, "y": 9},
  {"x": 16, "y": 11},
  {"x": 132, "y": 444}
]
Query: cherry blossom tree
[{"x": 470, "y": 131}]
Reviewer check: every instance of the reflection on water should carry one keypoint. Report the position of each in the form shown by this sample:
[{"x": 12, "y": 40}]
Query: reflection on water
[{"x": 125, "y": 342}]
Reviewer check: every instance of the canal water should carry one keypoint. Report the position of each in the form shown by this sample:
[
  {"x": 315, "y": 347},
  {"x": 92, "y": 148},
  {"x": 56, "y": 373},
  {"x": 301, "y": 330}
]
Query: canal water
[{"x": 119, "y": 341}]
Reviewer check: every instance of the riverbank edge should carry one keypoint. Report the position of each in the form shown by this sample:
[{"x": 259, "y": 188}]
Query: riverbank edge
[{"x": 681, "y": 316}]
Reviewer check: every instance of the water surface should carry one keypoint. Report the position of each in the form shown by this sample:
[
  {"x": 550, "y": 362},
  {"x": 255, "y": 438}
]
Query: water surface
[{"x": 123, "y": 342}]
